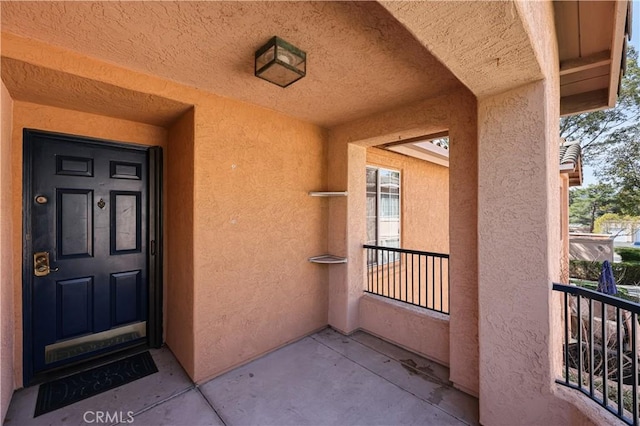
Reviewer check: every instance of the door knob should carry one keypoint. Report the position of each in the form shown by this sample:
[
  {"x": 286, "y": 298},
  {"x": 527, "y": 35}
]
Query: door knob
[{"x": 41, "y": 265}]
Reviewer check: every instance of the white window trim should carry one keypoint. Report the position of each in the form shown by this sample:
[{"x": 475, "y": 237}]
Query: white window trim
[{"x": 379, "y": 203}]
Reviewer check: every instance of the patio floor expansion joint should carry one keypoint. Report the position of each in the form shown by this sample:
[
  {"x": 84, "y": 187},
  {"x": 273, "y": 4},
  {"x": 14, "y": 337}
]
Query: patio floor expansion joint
[
  {"x": 162, "y": 401},
  {"x": 387, "y": 380},
  {"x": 210, "y": 404}
]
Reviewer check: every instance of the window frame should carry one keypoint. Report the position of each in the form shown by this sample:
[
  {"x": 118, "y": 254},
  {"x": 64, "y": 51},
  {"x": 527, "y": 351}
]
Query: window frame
[{"x": 378, "y": 206}]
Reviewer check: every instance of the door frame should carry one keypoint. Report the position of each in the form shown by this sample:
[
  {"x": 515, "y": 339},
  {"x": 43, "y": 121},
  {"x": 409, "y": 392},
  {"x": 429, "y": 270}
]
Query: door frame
[{"x": 154, "y": 254}]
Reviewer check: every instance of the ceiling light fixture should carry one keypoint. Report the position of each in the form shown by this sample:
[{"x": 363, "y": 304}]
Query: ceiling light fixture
[{"x": 280, "y": 63}]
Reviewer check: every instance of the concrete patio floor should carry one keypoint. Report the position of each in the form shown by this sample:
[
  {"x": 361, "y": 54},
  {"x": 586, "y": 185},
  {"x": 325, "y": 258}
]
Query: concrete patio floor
[{"x": 323, "y": 379}]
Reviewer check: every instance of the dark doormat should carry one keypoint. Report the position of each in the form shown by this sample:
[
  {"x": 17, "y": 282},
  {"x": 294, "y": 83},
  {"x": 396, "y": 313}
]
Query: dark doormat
[{"x": 71, "y": 389}]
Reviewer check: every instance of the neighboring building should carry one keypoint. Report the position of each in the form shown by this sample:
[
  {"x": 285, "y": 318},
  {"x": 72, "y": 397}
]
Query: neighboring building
[
  {"x": 212, "y": 258},
  {"x": 570, "y": 175}
]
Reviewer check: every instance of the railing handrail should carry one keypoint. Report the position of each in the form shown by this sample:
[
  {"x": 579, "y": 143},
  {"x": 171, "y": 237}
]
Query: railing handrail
[
  {"x": 400, "y": 250},
  {"x": 600, "y": 297}
]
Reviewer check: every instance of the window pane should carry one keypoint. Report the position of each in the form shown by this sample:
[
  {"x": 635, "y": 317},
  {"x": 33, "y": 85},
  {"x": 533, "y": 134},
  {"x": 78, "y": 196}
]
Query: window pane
[
  {"x": 389, "y": 205},
  {"x": 372, "y": 180},
  {"x": 390, "y": 242},
  {"x": 389, "y": 182},
  {"x": 383, "y": 207},
  {"x": 371, "y": 205},
  {"x": 371, "y": 231}
]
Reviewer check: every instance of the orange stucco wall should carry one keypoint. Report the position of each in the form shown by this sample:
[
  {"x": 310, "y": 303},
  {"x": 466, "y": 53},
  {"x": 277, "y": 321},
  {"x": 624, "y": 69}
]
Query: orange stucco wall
[
  {"x": 425, "y": 200},
  {"x": 238, "y": 283},
  {"x": 178, "y": 299},
  {"x": 419, "y": 330},
  {"x": 254, "y": 228},
  {"x": 6, "y": 257},
  {"x": 457, "y": 113},
  {"x": 519, "y": 224}
]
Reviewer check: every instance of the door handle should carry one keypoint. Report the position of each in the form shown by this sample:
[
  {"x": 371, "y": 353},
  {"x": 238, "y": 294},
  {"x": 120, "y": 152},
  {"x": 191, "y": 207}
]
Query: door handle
[{"x": 41, "y": 265}]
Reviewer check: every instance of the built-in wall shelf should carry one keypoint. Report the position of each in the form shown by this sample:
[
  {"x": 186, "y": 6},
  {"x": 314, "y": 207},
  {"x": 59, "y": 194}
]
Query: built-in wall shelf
[
  {"x": 328, "y": 258},
  {"x": 328, "y": 193}
]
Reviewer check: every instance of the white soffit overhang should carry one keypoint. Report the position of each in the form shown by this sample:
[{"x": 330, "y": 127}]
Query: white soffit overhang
[
  {"x": 592, "y": 39},
  {"x": 423, "y": 149}
]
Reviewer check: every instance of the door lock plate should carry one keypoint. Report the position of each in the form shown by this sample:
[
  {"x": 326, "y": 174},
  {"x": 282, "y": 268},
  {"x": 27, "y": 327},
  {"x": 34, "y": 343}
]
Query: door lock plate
[{"x": 41, "y": 266}]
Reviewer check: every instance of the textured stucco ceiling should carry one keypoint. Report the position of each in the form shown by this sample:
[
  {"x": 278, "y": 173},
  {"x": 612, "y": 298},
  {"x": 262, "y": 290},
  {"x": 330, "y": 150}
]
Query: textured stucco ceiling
[{"x": 360, "y": 59}]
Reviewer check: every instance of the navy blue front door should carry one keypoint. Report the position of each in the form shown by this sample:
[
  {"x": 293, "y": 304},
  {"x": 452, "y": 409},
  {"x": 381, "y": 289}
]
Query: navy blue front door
[{"x": 88, "y": 213}]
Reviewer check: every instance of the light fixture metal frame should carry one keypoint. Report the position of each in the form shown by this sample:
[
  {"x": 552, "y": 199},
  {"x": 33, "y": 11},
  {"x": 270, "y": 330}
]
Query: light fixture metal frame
[{"x": 278, "y": 43}]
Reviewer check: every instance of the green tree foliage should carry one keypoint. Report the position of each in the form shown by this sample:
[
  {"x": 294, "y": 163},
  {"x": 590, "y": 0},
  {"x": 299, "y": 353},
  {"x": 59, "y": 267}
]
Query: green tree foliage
[
  {"x": 622, "y": 168},
  {"x": 629, "y": 224},
  {"x": 594, "y": 130},
  {"x": 588, "y": 204},
  {"x": 610, "y": 141}
]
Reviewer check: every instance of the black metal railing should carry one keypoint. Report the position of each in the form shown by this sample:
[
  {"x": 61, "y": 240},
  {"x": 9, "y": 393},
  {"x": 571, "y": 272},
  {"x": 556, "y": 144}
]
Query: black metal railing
[
  {"x": 415, "y": 277},
  {"x": 601, "y": 349}
]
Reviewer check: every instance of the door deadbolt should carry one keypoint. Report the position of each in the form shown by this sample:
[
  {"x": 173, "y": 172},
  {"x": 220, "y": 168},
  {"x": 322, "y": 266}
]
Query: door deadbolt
[{"x": 41, "y": 265}]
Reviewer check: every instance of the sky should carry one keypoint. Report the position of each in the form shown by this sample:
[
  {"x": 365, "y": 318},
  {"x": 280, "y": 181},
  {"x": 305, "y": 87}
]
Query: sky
[{"x": 588, "y": 177}]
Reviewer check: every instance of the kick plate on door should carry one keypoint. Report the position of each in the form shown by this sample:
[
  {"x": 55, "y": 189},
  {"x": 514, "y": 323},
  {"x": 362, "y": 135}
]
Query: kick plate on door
[{"x": 41, "y": 266}]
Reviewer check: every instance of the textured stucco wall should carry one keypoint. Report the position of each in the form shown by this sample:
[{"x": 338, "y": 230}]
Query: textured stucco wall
[
  {"x": 519, "y": 241},
  {"x": 179, "y": 297},
  {"x": 424, "y": 200},
  {"x": 514, "y": 257},
  {"x": 463, "y": 242},
  {"x": 346, "y": 232},
  {"x": 456, "y": 113},
  {"x": 41, "y": 117},
  {"x": 7, "y": 331},
  {"x": 255, "y": 226},
  {"x": 421, "y": 331}
]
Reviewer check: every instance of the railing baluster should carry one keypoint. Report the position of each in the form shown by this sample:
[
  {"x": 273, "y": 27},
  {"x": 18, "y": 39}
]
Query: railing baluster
[
  {"x": 406, "y": 279},
  {"x": 591, "y": 351},
  {"x": 413, "y": 257},
  {"x": 619, "y": 359},
  {"x": 393, "y": 263},
  {"x": 388, "y": 276},
  {"x": 369, "y": 269},
  {"x": 448, "y": 286},
  {"x": 441, "y": 300},
  {"x": 566, "y": 337},
  {"x": 605, "y": 352},
  {"x": 378, "y": 272},
  {"x": 419, "y": 279},
  {"x": 433, "y": 281},
  {"x": 579, "y": 342},
  {"x": 634, "y": 366}
]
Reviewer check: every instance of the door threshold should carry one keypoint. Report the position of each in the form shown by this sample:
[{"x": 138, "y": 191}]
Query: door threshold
[{"x": 47, "y": 376}]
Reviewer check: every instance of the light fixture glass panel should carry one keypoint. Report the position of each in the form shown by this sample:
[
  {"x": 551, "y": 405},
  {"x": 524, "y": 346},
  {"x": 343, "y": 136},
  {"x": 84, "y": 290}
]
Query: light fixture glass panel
[
  {"x": 280, "y": 75},
  {"x": 291, "y": 59},
  {"x": 265, "y": 58}
]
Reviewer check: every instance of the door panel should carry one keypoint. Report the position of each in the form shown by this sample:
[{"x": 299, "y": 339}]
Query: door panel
[
  {"x": 75, "y": 302},
  {"x": 74, "y": 223},
  {"x": 126, "y": 232},
  {"x": 88, "y": 208},
  {"x": 126, "y": 297}
]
